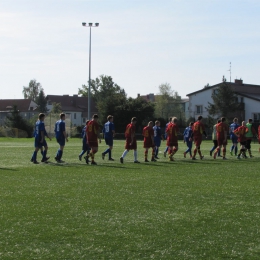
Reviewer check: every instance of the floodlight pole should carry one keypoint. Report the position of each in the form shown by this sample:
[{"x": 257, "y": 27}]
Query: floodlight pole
[{"x": 89, "y": 78}]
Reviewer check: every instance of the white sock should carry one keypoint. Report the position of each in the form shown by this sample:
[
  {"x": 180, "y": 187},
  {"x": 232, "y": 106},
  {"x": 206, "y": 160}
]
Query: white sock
[
  {"x": 135, "y": 155},
  {"x": 124, "y": 153}
]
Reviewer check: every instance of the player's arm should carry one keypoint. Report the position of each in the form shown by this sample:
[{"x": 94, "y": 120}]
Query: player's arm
[{"x": 64, "y": 133}]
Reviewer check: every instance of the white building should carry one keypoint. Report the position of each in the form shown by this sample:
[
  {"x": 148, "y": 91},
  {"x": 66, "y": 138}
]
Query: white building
[{"x": 248, "y": 97}]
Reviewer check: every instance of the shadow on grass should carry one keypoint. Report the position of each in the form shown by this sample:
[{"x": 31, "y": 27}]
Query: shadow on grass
[
  {"x": 87, "y": 165},
  {"x": 8, "y": 169}
]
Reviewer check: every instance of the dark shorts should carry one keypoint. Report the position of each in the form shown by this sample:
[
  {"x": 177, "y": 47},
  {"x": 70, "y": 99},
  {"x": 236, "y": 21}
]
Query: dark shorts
[
  {"x": 197, "y": 140},
  {"x": 133, "y": 146},
  {"x": 243, "y": 143},
  {"x": 222, "y": 142},
  {"x": 85, "y": 146},
  {"x": 61, "y": 141},
  {"x": 148, "y": 145},
  {"x": 109, "y": 141},
  {"x": 234, "y": 140},
  {"x": 157, "y": 142},
  {"x": 172, "y": 143},
  {"x": 248, "y": 143},
  {"x": 39, "y": 144},
  {"x": 93, "y": 144}
]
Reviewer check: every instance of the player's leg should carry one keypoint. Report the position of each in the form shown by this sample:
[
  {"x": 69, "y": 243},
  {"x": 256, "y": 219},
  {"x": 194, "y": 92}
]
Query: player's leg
[
  {"x": 224, "y": 150},
  {"x": 145, "y": 154},
  {"x": 215, "y": 145},
  {"x": 34, "y": 155},
  {"x": 249, "y": 148}
]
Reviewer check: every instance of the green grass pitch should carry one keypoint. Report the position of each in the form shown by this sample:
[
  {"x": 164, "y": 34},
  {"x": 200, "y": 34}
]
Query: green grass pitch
[{"x": 204, "y": 209}]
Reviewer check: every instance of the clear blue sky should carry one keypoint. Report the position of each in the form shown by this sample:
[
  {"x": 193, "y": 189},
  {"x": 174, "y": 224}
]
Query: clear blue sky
[{"x": 140, "y": 43}]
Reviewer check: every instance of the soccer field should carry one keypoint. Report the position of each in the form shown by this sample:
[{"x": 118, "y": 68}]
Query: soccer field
[{"x": 203, "y": 209}]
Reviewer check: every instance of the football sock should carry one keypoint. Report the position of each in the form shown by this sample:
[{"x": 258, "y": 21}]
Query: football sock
[
  {"x": 83, "y": 151},
  {"x": 194, "y": 152},
  {"x": 153, "y": 152},
  {"x": 145, "y": 154},
  {"x": 232, "y": 148},
  {"x": 109, "y": 154},
  {"x": 236, "y": 150},
  {"x": 135, "y": 155},
  {"x": 249, "y": 151},
  {"x": 34, "y": 156},
  {"x": 44, "y": 154},
  {"x": 199, "y": 152},
  {"x": 166, "y": 149},
  {"x": 124, "y": 153},
  {"x": 107, "y": 151},
  {"x": 224, "y": 152},
  {"x": 156, "y": 151},
  {"x": 61, "y": 153}
]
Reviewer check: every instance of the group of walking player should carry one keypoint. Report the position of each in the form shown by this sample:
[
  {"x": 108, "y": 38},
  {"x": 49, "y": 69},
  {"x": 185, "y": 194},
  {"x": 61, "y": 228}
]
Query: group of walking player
[{"x": 152, "y": 139}]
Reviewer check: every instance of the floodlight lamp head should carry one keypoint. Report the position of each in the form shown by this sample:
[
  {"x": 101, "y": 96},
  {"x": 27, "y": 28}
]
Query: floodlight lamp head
[
  {"x": 97, "y": 24},
  {"x": 90, "y": 24},
  {"x": 83, "y": 24}
]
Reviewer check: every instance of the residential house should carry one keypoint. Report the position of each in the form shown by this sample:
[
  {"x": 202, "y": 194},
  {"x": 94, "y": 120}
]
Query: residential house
[
  {"x": 75, "y": 107},
  {"x": 26, "y": 107},
  {"x": 248, "y": 97}
]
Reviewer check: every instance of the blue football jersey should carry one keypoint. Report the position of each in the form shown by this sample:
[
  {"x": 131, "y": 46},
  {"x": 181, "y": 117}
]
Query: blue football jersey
[
  {"x": 187, "y": 132},
  {"x": 233, "y": 127},
  {"x": 39, "y": 127},
  {"x": 59, "y": 128},
  {"x": 108, "y": 129},
  {"x": 157, "y": 132}
]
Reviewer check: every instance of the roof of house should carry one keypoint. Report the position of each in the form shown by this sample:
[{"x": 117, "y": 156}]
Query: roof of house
[
  {"x": 23, "y": 105},
  {"x": 238, "y": 86},
  {"x": 72, "y": 103}
]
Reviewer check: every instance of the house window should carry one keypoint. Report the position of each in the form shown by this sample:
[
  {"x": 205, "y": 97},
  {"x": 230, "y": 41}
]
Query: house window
[
  {"x": 84, "y": 120},
  {"x": 75, "y": 115},
  {"x": 256, "y": 117},
  {"x": 215, "y": 91},
  {"x": 242, "y": 100},
  {"x": 198, "y": 110}
]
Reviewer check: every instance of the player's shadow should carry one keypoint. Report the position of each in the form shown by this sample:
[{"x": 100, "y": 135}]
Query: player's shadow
[
  {"x": 8, "y": 169},
  {"x": 87, "y": 165}
]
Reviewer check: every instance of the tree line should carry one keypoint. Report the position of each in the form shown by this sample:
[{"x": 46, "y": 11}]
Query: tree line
[{"x": 111, "y": 99}]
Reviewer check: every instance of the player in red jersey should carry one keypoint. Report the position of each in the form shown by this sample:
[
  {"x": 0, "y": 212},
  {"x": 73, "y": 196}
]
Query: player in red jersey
[
  {"x": 198, "y": 129},
  {"x": 92, "y": 137},
  {"x": 222, "y": 131},
  {"x": 172, "y": 138},
  {"x": 130, "y": 142},
  {"x": 241, "y": 133},
  {"x": 148, "y": 134}
]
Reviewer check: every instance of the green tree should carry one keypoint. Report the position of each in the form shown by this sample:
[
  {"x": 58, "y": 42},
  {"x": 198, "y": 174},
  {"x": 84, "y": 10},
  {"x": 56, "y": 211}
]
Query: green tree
[
  {"x": 168, "y": 103},
  {"x": 41, "y": 102},
  {"x": 15, "y": 120},
  {"x": 135, "y": 107},
  {"x": 224, "y": 101},
  {"x": 33, "y": 90},
  {"x": 56, "y": 108},
  {"x": 107, "y": 96}
]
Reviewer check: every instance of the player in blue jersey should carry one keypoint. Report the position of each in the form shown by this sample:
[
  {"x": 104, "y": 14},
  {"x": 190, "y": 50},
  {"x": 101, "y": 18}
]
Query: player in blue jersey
[
  {"x": 109, "y": 133},
  {"x": 61, "y": 136},
  {"x": 165, "y": 136},
  {"x": 187, "y": 139},
  {"x": 85, "y": 146},
  {"x": 157, "y": 137},
  {"x": 39, "y": 140},
  {"x": 233, "y": 137}
]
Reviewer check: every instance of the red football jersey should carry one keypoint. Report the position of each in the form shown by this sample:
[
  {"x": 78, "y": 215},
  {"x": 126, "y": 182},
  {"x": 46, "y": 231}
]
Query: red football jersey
[
  {"x": 92, "y": 130},
  {"x": 148, "y": 133},
  {"x": 221, "y": 128},
  {"x": 198, "y": 129},
  {"x": 172, "y": 132},
  {"x": 130, "y": 129},
  {"x": 241, "y": 132}
]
